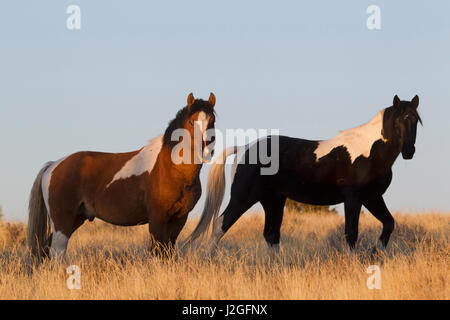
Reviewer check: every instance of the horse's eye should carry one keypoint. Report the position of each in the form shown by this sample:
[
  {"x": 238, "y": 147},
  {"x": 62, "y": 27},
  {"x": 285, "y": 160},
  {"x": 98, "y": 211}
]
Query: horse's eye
[{"x": 191, "y": 122}]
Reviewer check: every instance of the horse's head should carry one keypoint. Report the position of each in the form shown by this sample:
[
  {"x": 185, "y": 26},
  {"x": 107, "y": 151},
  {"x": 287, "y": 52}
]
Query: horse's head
[
  {"x": 404, "y": 120},
  {"x": 199, "y": 123},
  {"x": 191, "y": 135}
]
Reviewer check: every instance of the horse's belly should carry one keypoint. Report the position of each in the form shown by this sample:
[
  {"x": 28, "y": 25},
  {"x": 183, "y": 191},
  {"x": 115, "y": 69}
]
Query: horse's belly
[
  {"x": 315, "y": 194},
  {"x": 125, "y": 208},
  {"x": 120, "y": 220},
  {"x": 123, "y": 215}
]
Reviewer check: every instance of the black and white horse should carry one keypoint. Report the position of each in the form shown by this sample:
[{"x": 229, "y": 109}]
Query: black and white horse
[{"x": 355, "y": 168}]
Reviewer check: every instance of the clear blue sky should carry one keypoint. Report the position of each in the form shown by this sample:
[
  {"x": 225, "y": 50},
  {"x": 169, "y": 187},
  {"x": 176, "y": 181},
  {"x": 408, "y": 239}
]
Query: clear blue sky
[{"x": 308, "y": 68}]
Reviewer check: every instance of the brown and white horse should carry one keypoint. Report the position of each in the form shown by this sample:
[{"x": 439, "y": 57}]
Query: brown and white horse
[{"x": 127, "y": 189}]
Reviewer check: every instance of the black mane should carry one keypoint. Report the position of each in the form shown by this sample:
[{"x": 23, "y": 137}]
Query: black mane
[{"x": 182, "y": 116}]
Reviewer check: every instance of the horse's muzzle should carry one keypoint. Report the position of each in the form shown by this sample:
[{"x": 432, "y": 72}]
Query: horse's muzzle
[
  {"x": 207, "y": 155},
  {"x": 408, "y": 152}
]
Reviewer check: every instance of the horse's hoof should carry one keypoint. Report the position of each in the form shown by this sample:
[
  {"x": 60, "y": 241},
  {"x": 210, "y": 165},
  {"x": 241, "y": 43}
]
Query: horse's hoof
[
  {"x": 378, "y": 249},
  {"x": 274, "y": 248}
]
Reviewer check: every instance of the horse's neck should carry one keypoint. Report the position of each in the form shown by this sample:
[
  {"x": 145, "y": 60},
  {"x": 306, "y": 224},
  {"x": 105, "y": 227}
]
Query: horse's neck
[
  {"x": 357, "y": 141},
  {"x": 361, "y": 140},
  {"x": 390, "y": 149},
  {"x": 388, "y": 152},
  {"x": 187, "y": 171}
]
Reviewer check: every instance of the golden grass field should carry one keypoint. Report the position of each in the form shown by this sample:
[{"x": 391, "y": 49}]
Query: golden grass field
[{"x": 313, "y": 262}]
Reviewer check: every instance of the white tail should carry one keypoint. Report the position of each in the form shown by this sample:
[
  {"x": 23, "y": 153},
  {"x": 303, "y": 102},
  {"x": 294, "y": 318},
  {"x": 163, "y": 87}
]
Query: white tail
[{"x": 215, "y": 191}]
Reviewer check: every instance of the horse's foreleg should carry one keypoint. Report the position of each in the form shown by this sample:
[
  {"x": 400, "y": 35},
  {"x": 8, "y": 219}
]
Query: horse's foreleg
[
  {"x": 378, "y": 208},
  {"x": 175, "y": 227},
  {"x": 159, "y": 233}
]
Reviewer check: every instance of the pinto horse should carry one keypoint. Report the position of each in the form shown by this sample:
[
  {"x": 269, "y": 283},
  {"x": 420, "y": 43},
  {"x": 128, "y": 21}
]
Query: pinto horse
[
  {"x": 355, "y": 168},
  {"x": 127, "y": 189}
]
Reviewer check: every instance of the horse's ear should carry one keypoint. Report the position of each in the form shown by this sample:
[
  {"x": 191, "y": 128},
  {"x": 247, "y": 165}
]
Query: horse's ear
[
  {"x": 190, "y": 99},
  {"x": 396, "y": 101},
  {"x": 212, "y": 99},
  {"x": 415, "y": 101}
]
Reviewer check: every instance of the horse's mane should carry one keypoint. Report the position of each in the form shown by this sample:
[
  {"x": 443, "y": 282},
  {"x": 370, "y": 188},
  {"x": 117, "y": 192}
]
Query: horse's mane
[
  {"x": 404, "y": 107},
  {"x": 182, "y": 116},
  {"x": 392, "y": 113}
]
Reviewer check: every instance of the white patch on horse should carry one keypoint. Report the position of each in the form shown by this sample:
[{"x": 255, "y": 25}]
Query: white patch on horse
[
  {"x": 59, "y": 244},
  {"x": 358, "y": 141},
  {"x": 202, "y": 122},
  {"x": 45, "y": 182},
  {"x": 144, "y": 161}
]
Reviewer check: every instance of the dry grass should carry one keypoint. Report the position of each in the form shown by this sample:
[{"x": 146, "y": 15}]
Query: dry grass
[{"x": 313, "y": 263}]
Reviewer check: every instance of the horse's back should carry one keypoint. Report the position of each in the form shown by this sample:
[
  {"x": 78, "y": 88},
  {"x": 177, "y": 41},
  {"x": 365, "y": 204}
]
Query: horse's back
[
  {"x": 78, "y": 181},
  {"x": 303, "y": 177},
  {"x": 90, "y": 167}
]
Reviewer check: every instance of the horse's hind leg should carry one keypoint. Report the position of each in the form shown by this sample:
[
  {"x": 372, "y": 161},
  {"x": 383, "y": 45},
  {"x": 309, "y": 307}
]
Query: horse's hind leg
[
  {"x": 58, "y": 245},
  {"x": 235, "y": 209},
  {"x": 273, "y": 209},
  {"x": 378, "y": 208},
  {"x": 159, "y": 229},
  {"x": 245, "y": 192},
  {"x": 63, "y": 228}
]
